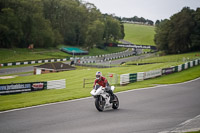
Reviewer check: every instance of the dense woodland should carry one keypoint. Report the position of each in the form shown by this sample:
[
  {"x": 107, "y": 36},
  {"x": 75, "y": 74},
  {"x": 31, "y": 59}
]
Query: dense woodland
[
  {"x": 48, "y": 23},
  {"x": 179, "y": 34}
]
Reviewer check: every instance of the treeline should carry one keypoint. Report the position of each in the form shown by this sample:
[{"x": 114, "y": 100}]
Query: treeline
[
  {"x": 47, "y": 23},
  {"x": 139, "y": 20},
  {"x": 179, "y": 34}
]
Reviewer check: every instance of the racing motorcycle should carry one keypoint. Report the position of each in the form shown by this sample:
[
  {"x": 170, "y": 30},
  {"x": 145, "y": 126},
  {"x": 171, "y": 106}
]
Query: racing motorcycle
[{"x": 103, "y": 99}]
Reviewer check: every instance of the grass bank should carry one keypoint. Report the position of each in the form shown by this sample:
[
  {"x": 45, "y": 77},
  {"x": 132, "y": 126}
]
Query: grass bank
[
  {"x": 139, "y": 34},
  {"x": 179, "y": 58},
  {"x": 23, "y": 54}
]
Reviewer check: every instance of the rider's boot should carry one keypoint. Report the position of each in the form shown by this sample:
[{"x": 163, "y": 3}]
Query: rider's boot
[{"x": 112, "y": 97}]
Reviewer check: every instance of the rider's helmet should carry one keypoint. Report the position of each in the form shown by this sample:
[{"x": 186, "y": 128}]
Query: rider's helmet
[{"x": 98, "y": 75}]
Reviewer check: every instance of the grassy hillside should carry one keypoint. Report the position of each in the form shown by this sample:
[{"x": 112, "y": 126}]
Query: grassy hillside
[
  {"x": 139, "y": 34},
  {"x": 23, "y": 54}
]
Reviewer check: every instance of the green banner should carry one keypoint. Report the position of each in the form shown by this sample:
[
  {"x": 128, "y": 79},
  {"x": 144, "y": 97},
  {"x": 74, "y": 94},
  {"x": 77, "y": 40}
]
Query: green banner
[{"x": 133, "y": 77}]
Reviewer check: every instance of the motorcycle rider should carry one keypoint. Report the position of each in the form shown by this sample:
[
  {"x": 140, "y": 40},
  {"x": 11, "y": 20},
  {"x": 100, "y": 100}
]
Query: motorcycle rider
[{"x": 102, "y": 81}]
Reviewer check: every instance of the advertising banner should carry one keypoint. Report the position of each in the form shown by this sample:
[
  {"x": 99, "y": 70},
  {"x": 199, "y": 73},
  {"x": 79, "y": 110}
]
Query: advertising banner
[
  {"x": 168, "y": 70},
  {"x": 186, "y": 65},
  {"x": 196, "y": 62},
  {"x": 152, "y": 74},
  {"x": 140, "y": 76},
  {"x": 124, "y": 79},
  {"x": 130, "y": 46},
  {"x": 133, "y": 77},
  {"x": 179, "y": 68},
  {"x": 22, "y": 87},
  {"x": 183, "y": 66}
]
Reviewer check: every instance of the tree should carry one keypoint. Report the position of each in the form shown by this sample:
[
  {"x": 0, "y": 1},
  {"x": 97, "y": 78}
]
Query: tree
[
  {"x": 195, "y": 37},
  {"x": 113, "y": 29},
  {"x": 47, "y": 23},
  {"x": 10, "y": 28},
  {"x": 157, "y": 22},
  {"x": 182, "y": 25},
  {"x": 161, "y": 36},
  {"x": 180, "y": 33},
  {"x": 95, "y": 34}
]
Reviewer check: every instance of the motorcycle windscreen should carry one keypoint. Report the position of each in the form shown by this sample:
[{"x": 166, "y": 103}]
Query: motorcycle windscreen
[{"x": 96, "y": 92}]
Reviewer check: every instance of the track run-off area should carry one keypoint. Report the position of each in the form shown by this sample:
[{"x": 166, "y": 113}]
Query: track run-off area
[{"x": 147, "y": 110}]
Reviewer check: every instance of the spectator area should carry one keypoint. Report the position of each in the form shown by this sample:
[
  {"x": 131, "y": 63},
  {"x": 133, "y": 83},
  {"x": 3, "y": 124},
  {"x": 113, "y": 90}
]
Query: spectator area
[{"x": 73, "y": 50}]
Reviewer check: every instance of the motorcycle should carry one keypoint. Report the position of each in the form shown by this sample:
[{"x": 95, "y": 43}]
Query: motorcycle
[{"x": 103, "y": 99}]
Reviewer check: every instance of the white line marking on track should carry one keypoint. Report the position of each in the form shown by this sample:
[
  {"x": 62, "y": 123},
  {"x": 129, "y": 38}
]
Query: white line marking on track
[{"x": 177, "y": 129}]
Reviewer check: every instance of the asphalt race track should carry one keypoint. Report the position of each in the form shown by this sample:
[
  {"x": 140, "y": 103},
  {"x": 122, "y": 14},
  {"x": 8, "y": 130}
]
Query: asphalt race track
[{"x": 149, "y": 110}]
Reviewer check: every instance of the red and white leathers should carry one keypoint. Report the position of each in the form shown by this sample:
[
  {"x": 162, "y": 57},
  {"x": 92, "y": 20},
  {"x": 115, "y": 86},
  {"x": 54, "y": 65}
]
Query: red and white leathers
[{"x": 102, "y": 81}]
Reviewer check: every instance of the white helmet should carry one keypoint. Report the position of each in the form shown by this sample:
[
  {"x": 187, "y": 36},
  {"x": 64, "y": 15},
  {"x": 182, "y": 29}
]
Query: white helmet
[{"x": 98, "y": 75}]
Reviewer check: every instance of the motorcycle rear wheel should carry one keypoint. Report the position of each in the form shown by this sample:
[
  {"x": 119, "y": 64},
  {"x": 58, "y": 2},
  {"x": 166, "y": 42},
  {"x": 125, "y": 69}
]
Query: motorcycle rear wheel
[
  {"x": 115, "y": 104},
  {"x": 100, "y": 103}
]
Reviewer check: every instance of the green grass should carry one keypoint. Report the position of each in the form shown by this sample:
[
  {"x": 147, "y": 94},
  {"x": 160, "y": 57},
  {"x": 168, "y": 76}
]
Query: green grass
[
  {"x": 17, "y": 54},
  {"x": 74, "y": 84},
  {"x": 139, "y": 34},
  {"x": 178, "y": 58}
]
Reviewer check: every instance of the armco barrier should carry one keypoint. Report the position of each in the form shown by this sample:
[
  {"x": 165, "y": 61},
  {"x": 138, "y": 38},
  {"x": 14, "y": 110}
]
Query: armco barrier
[{"x": 128, "y": 78}]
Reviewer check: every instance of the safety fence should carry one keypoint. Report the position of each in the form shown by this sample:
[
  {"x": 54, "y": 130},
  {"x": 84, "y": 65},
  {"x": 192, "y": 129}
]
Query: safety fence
[
  {"x": 140, "y": 76},
  {"x": 31, "y": 86}
]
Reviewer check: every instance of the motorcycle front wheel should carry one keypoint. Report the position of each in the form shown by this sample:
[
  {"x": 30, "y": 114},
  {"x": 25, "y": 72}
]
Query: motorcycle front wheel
[{"x": 100, "y": 103}]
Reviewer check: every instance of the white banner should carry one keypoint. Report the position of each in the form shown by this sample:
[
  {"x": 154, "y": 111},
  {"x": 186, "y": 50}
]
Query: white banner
[
  {"x": 140, "y": 76},
  {"x": 124, "y": 79},
  {"x": 179, "y": 68},
  {"x": 191, "y": 63},
  {"x": 56, "y": 84},
  {"x": 186, "y": 65},
  {"x": 196, "y": 62},
  {"x": 152, "y": 74}
]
